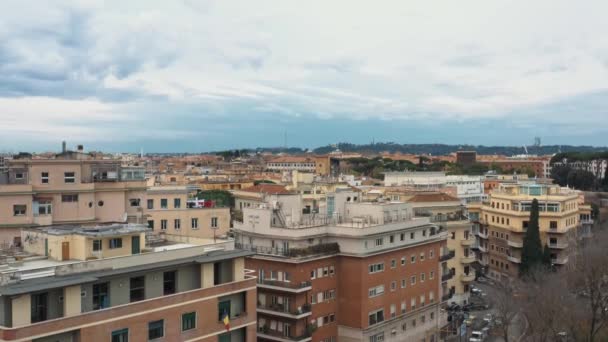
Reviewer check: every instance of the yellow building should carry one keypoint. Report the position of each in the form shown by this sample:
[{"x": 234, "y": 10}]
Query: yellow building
[
  {"x": 447, "y": 212},
  {"x": 168, "y": 211},
  {"x": 500, "y": 225}
]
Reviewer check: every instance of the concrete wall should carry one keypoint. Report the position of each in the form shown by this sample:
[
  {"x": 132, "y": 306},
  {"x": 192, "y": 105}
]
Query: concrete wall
[
  {"x": 188, "y": 278},
  {"x": 119, "y": 291}
]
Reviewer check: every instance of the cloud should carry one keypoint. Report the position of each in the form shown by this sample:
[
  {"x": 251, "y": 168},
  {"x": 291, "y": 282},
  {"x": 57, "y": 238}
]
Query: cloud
[{"x": 409, "y": 62}]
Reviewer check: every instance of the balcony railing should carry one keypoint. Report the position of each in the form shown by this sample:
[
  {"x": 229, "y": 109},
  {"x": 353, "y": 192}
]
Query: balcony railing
[
  {"x": 284, "y": 286},
  {"x": 468, "y": 242},
  {"x": 447, "y": 275},
  {"x": 515, "y": 244},
  {"x": 479, "y": 247},
  {"x": 285, "y": 311},
  {"x": 481, "y": 234},
  {"x": 319, "y": 249},
  {"x": 558, "y": 245},
  {"x": 467, "y": 259},
  {"x": 267, "y": 334},
  {"x": 449, "y": 255},
  {"x": 467, "y": 277},
  {"x": 514, "y": 259}
]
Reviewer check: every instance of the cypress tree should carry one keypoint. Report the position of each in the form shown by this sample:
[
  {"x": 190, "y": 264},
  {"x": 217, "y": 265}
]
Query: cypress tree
[
  {"x": 547, "y": 257},
  {"x": 532, "y": 252}
]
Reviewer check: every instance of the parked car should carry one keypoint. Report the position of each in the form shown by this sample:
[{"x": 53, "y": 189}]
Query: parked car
[{"x": 478, "y": 336}]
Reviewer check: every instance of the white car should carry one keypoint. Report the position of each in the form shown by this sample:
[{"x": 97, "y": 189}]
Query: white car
[{"x": 478, "y": 336}]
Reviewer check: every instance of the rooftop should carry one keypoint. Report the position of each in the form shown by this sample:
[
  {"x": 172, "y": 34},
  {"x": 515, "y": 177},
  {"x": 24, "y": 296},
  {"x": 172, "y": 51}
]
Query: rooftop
[
  {"x": 274, "y": 189},
  {"x": 432, "y": 197},
  {"x": 95, "y": 231}
]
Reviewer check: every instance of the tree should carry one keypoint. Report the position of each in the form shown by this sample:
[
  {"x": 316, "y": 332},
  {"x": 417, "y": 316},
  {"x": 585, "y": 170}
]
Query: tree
[
  {"x": 546, "y": 260},
  {"x": 532, "y": 253},
  {"x": 506, "y": 306}
]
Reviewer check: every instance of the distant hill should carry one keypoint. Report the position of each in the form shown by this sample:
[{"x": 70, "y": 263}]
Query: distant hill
[{"x": 442, "y": 149}]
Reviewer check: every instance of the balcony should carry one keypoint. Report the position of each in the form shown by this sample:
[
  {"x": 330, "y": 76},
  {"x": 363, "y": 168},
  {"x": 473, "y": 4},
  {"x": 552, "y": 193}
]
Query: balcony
[
  {"x": 284, "y": 311},
  {"x": 468, "y": 242},
  {"x": 447, "y": 276},
  {"x": 447, "y": 256},
  {"x": 271, "y": 335},
  {"x": 467, "y": 277},
  {"x": 559, "y": 261},
  {"x": 558, "y": 245},
  {"x": 555, "y": 231},
  {"x": 447, "y": 296},
  {"x": 515, "y": 244},
  {"x": 481, "y": 235},
  {"x": 468, "y": 259},
  {"x": 284, "y": 286},
  {"x": 514, "y": 259}
]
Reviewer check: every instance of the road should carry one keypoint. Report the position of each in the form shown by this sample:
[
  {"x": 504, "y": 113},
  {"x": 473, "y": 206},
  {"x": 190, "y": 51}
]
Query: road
[{"x": 516, "y": 329}]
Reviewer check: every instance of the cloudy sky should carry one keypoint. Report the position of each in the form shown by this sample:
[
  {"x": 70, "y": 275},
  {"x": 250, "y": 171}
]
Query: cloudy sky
[{"x": 204, "y": 75}]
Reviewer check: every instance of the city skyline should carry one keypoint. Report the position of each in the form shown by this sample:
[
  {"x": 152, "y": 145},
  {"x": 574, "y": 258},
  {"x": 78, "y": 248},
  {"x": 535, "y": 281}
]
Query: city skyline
[{"x": 191, "y": 76}]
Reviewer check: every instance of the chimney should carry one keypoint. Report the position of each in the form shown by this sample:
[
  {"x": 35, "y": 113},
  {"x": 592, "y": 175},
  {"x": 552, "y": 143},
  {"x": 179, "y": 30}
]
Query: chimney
[
  {"x": 80, "y": 148},
  {"x": 63, "y": 147}
]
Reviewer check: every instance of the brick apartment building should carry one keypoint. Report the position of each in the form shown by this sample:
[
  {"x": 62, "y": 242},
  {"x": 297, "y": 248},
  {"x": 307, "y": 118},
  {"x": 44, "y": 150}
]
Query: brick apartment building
[{"x": 357, "y": 272}]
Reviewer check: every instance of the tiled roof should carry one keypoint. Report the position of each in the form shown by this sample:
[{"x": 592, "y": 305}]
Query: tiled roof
[
  {"x": 433, "y": 197},
  {"x": 268, "y": 189}
]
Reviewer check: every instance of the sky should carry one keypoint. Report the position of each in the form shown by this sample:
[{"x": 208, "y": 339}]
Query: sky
[{"x": 188, "y": 75}]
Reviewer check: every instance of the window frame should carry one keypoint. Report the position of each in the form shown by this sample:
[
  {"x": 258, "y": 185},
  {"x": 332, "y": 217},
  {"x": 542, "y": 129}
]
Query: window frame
[
  {"x": 162, "y": 329},
  {"x": 183, "y": 319},
  {"x": 67, "y": 179}
]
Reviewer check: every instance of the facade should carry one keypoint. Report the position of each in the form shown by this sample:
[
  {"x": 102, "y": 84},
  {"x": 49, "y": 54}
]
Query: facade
[
  {"x": 468, "y": 188},
  {"x": 69, "y": 189},
  {"x": 596, "y": 166},
  {"x": 466, "y": 158},
  {"x": 109, "y": 290},
  {"x": 448, "y": 212},
  {"x": 356, "y": 272},
  {"x": 169, "y": 212},
  {"x": 500, "y": 224},
  {"x": 304, "y": 164},
  {"x": 541, "y": 166}
]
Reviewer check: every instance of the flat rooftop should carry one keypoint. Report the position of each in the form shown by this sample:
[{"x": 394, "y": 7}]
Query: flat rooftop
[{"x": 96, "y": 231}]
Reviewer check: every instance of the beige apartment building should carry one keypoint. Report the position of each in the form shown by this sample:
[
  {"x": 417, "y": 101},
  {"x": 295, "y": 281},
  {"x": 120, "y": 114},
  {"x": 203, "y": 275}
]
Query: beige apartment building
[
  {"x": 104, "y": 283},
  {"x": 72, "y": 188},
  {"x": 170, "y": 212},
  {"x": 359, "y": 271},
  {"x": 500, "y": 225},
  {"x": 448, "y": 212}
]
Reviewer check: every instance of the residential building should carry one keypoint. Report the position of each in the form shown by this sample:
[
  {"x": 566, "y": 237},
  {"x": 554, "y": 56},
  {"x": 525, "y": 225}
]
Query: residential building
[
  {"x": 71, "y": 188},
  {"x": 449, "y": 213},
  {"x": 466, "y": 158},
  {"x": 466, "y": 188},
  {"x": 104, "y": 283},
  {"x": 169, "y": 211},
  {"x": 356, "y": 272},
  {"x": 501, "y": 222}
]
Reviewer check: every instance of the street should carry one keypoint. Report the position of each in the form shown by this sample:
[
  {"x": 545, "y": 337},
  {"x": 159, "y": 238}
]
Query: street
[{"x": 516, "y": 329}]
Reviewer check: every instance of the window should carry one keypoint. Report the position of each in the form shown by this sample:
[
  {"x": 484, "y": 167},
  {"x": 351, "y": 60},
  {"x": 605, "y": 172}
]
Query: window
[
  {"x": 194, "y": 223},
  {"x": 150, "y": 204},
  {"x": 69, "y": 177},
  {"x": 39, "y": 304},
  {"x": 121, "y": 335},
  {"x": 412, "y": 235},
  {"x": 402, "y": 237},
  {"x": 422, "y": 277},
  {"x": 163, "y": 203},
  {"x": 403, "y": 261},
  {"x": 169, "y": 283},
  {"x": 151, "y": 224},
  {"x": 431, "y": 254},
  {"x": 376, "y": 291},
  {"x": 393, "y": 263},
  {"x": 379, "y": 242},
  {"x": 163, "y": 224},
  {"x": 44, "y": 207},
  {"x": 156, "y": 329},
  {"x": 432, "y": 275},
  {"x": 374, "y": 268},
  {"x": 422, "y": 256},
  {"x": 177, "y": 224},
  {"x": 188, "y": 321},
  {"x": 376, "y": 317},
  {"x": 553, "y": 224},
  {"x": 136, "y": 288},
  {"x": 100, "y": 203},
  {"x": 69, "y": 198},
  {"x": 379, "y": 337},
  {"x": 177, "y": 203},
  {"x": 413, "y": 259},
  {"x": 413, "y": 280},
  {"x": 403, "y": 282},
  {"x": 331, "y": 271},
  {"x": 393, "y": 285},
  {"x": 524, "y": 224},
  {"x": 393, "y": 310},
  {"x": 391, "y": 238},
  {"x": 115, "y": 243},
  {"x": 100, "y": 296},
  {"x": 223, "y": 309},
  {"x": 19, "y": 209},
  {"x": 44, "y": 178},
  {"x": 19, "y": 175},
  {"x": 96, "y": 245},
  {"x": 134, "y": 202},
  {"x": 214, "y": 222}
]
